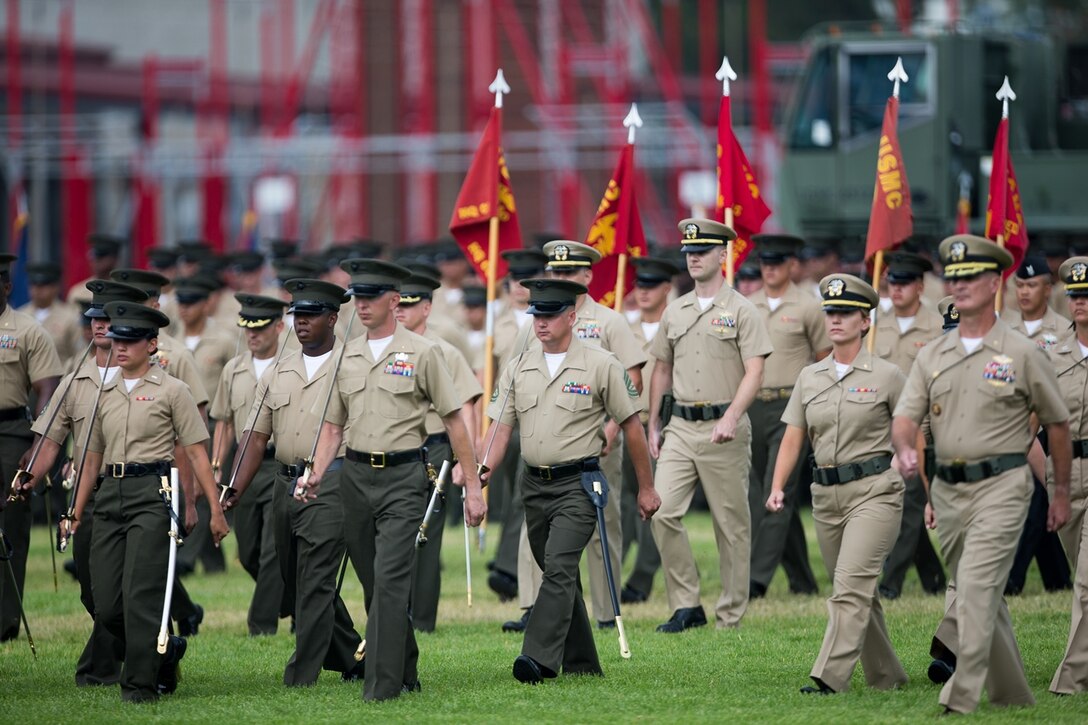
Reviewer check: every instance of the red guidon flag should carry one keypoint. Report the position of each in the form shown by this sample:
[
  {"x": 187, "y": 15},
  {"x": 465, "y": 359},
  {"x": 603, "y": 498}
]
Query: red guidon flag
[
  {"x": 1004, "y": 215},
  {"x": 486, "y": 193},
  {"x": 616, "y": 230},
  {"x": 737, "y": 188},
  {"x": 891, "y": 220}
]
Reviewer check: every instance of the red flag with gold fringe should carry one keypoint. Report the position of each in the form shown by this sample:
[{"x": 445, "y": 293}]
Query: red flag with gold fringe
[
  {"x": 616, "y": 230},
  {"x": 1004, "y": 214},
  {"x": 891, "y": 220},
  {"x": 737, "y": 188}
]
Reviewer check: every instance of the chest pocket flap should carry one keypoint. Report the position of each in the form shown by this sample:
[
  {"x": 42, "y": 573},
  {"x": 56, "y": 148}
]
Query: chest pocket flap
[
  {"x": 864, "y": 397},
  {"x": 352, "y": 384},
  {"x": 275, "y": 401},
  {"x": 574, "y": 401},
  {"x": 396, "y": 399}
]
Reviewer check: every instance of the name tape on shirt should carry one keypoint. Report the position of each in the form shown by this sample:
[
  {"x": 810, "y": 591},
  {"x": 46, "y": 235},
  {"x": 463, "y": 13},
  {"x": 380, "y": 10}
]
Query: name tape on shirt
[{"x": 576, "y": 388}]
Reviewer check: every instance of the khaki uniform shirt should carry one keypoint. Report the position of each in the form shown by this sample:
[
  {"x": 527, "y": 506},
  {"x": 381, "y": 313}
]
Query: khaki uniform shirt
[
  {"x": 74, "y": 410},
  {"x": 707, "y": 348},
  {"x": 212, "y": 352},
  {"x": 901, "y": 348},
  {"x": 237, "y": 392},
  {"x": 454, "y": 334},
  {"x": 1072, "y": 371},
  {"x": 382, "y": 403},
  {"x": 347, "y": 317},
  {"x": 1059, "y": 301},
  {"x": 1053, "y": 327},
  {"x": 848, "y": 420},
  {"x": 797, "y": 333},
  {"x": 61, "y": 321},
  {"x": 448, "y": 304},
  {"x": 603, "y": 327},
  {"x": 508, "y": 337},
  {"x": 142, "y": 426},
  {"x": 292, "y": 407},
  {"x": 979, "y": 404},
  {"x": 79, "y": 291},
  {"x": 644, "y": 397},
  {"x": 467, "y": 387},
  {"x": 561, "y": 419},
  {"x": 27, "y": 355},
  {"x": 175, "y": 358}
]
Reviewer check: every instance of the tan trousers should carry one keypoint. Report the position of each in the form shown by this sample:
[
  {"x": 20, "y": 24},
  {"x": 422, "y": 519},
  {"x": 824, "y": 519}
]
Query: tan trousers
[
  {"x": 530, "y": 575},
  {"x": 1072, "y": 532},
  {"x": 1072, "y": 674},
  {"x": 687, "y": 457},
  {"x": 979, "y": 526},
  {"x": 856, "y": 525}
]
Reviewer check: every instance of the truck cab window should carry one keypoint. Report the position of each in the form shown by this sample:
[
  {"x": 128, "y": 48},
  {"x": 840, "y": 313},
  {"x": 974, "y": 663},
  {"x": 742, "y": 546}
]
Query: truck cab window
[
  {"x": 868, "y": 88},
  {"x": 813, "y": 124}
]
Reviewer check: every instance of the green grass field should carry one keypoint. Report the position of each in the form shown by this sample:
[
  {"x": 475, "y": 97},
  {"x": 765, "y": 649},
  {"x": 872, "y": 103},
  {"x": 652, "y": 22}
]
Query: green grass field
[{"x": 702, "y": 676}]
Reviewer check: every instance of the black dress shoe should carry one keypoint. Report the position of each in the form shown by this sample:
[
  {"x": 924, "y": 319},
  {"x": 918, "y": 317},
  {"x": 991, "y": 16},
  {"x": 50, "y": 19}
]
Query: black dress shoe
[
  {"x": 189, "y": 626},
  {"x": 756, "y": 590},
  {"x": 940, "y": 671},
  {"x": 503, "y": 584},
  {"x": 684, "y": 618},
  {"x": 413, "y": 686},
  {"x": 356, "y": 673},
  {"x": 529, "y": 671},
  {"x": 606, "y": 624},
  {"x": 887, "y": 592},
  {"x": 517, "y": 625},
  {"x": 169, "y": 671},
  {"x": 630, "y": 595},
  {"x": 820, "y": 688}
]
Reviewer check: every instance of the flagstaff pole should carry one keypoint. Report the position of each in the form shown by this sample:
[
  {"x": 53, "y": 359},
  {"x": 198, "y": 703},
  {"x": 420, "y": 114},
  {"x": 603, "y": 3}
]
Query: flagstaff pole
[
  {"x": 621, "y": 274},
  {"x": 730, "y": 250},
  {"x": 878, "y": 269},
  {"x": 1004, "y": 94},
  {"x": 632, "y": 122},
  {"x": 725, "y": 74}
]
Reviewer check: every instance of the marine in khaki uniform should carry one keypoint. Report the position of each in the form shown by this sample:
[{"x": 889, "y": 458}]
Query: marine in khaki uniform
[
  {"x": 141, "y": 414},
  {"x": 844, "y": 403},
  {"x": 710, "y": 350},
  {"x": 441, "y": 325},
  {"x": 599, "y": 326},
  {"x": 389, "y": 380},
  {"x": 1070, "y": 358},
  {"x": 413, "y": 312},
  {"x": 1034, "y": 318},
  {"x": 559, "y": 395},
  {"x": 309, "y": 535},
  {"x": 28, "y": 363},
  {"x": 59, "y": 318},
  {"x": 104, "y": 252},
  {"x": 900, "y": 334},
  {"x": 653, "y": 284},
  {"x": 261, "y": 318},
  {"x": 980, "y": 385}
]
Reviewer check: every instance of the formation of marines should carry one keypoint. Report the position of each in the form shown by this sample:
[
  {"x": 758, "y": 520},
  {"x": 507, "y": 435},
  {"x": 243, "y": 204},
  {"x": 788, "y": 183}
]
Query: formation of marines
[{"x": 316, "y": 404}]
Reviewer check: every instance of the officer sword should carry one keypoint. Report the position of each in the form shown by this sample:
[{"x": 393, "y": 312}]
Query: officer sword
[
  {"x": 432, "y": 505},
  {"x": 171, "y": 565},
  {"x": 24, "y": 473},
  {"x": 64, "y": 525},
  {"x": 6, "y": 552}
]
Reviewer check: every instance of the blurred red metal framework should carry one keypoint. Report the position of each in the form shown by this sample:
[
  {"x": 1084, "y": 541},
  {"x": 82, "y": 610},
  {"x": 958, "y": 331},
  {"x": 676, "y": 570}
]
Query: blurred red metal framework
[{"x": 399, "y": 111}]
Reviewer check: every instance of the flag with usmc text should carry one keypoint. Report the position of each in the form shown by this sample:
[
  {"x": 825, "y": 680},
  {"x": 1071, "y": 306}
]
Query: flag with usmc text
[
  {"x": 891, "y": 220},
  {"x": 1004, "y": 215},
  {"x": 616, "y": 230},
  {"x": 486, "y": 194},
  {"x": 737, "y": 188}
]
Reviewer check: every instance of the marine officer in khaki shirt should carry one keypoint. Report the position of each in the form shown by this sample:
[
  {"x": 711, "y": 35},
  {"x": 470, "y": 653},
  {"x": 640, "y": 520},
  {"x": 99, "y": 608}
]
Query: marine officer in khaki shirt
[
  {"x": 28, "y": 362},
  {"x": 796, "y": 327},
  {"x": 1035, "y": 319},
  {"x": 390, "y": 378},
  {"x": 981, "y": 384},
  {"x": 844, "y": 403},
  {"x": 559, "y": 395},
  {"x": 261, "y": 319},
  {"x": 900, "y": 334},
  {"x": 141, "y": 414},
  {"x": 1070, "y": 359},
  {"x": 413, "y": 312},
  {"x": 603, "y": 327},
  {"x": 710, "y": 350},
  {"x": 59, "y": 318},
  {"x": 309, "y": 534}
]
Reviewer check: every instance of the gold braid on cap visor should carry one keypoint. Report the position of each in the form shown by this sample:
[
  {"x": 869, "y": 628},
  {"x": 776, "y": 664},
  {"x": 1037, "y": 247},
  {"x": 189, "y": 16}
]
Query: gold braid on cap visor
[
  {"x": 969, "y": 269},
  {"x": 253, "y": 324},
  {"x": 839, "y": 302}
]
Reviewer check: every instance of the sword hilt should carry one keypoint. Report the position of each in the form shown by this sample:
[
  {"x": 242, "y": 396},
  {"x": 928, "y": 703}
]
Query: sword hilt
[
  {"x": 64, "y": 531},
  {"x": 21, "y": 476},
  {"x": 162, "y": 643},
  {"x": 360, "y": 652},
  {"x": 226, "y": 491}
]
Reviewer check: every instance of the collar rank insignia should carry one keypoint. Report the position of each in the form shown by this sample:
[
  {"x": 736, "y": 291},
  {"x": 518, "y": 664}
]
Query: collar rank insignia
[
  {"x": 999, "y": 371},
  {"x": 8, "y": 342},
  {"x": 957, "y": 251},
  {"x": 691, "y": 231},
  {"x": 835, "y": 288},
  {"x": 576, "y": 388}
]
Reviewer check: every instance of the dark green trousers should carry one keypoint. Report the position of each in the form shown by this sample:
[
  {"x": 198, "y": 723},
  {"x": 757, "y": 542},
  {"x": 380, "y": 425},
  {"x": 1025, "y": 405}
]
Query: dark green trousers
[
  {"x": 254, "y": 529},
  {"x": 637, "y": 532},
  {"x": 102, "y": 656},
  {"x": 383, "y": 508},
  {"x": 15, "y": 520},
  {"x": 427, "y": 581},
  {"x": 129, "y": 556},
  {"x": 506, "y": 476},
  {"x": 560, "y": 519},
  {"x": 310, "y": 547},
  {"x": 777, "y": 539}
]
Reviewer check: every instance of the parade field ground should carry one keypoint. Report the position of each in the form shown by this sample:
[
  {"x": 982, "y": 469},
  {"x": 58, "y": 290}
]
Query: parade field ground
[{"x": 751, "y": 674}]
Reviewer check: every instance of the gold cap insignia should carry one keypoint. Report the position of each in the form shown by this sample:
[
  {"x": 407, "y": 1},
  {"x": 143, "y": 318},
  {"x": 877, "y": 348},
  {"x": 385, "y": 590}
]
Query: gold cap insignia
[
  {"x": 561, "y": 252},
  {"x": 953, "y": 313},
  {"x": 957, "y": 251},
  {"x": 835, "y": 288},
  {"x": 1079, "y": 272},
  {"x": 691, "y": 231}
]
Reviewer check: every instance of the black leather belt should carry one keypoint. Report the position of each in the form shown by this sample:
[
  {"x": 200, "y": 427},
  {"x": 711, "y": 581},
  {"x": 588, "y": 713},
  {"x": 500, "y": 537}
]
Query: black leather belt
[
  {"x": 700, "y": 411},
  {"x": 380, "y": 459},
  {"x": 1080, "y": 448},
  {"x": 130, "y": 470},
  {"x": 436, "y": 439},
  {"x": 9, "y": 414},
  {"x": 767, "y": 395},
  {"x": 963, "y": 472},
  {"x": 295, "y": 470},
  {"x": 835, "y": 475},
  {"x": 563, "y": 470}
]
